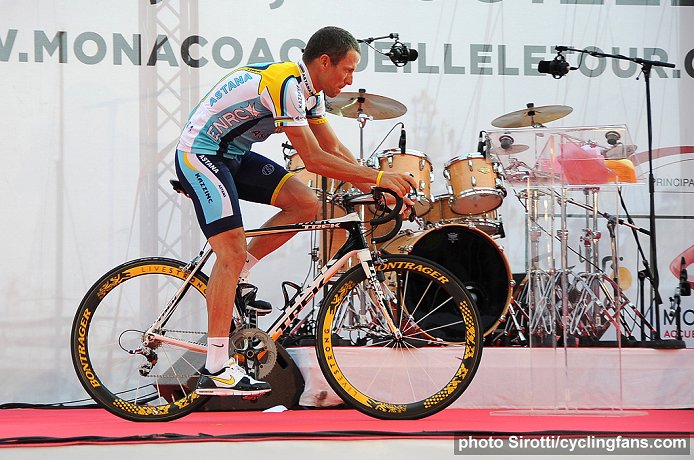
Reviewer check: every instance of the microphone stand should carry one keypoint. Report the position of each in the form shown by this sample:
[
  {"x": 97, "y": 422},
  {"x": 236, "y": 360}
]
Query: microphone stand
[{"x": 646, "y": 67}]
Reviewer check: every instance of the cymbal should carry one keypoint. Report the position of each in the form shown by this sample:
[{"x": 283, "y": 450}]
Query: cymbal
[
  {"x": 352, "y": 104},
  {"x": 532, "y": 116},
  {"x": 515, "y": 148}
]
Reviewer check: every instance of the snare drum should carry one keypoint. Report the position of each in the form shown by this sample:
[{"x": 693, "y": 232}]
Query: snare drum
[
  {"x": 441, "y": 214},
  {"x": 474, "y": 183},
  {"x": 418, "y": 165},
  {"x": 314, "y": 181}
]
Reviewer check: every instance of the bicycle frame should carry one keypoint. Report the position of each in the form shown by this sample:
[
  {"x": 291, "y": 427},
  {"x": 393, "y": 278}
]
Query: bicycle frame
[{"x": 355, "y": 245}]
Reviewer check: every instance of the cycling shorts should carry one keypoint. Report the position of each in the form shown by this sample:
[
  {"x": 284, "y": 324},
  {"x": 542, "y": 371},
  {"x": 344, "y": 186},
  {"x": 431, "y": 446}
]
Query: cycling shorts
[{"x": 216, "y": 183}]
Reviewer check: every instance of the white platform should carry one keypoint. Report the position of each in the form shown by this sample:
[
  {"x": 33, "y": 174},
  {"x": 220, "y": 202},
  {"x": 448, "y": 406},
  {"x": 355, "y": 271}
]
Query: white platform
[{"x": 544, "y": 378}]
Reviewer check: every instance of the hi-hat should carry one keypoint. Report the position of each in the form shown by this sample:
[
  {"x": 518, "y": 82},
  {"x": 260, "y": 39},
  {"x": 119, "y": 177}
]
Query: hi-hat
[
  {"x": 515, "y": 148},
  {"x": 532, "y": 116},
  {"x": 352, "y": 105}
]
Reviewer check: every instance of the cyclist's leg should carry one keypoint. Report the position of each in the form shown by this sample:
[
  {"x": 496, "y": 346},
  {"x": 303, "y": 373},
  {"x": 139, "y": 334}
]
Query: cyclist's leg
[
  {"x": 263, "y": 181},
  {"x": 230, "y": 251},
  {"x": 210, "y": 184}
]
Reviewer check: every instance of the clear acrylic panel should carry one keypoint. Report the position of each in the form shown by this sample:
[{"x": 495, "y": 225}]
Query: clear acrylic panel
[{"x": 567, "y": 179}]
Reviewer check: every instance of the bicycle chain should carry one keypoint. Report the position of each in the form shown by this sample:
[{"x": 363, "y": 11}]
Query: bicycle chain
[{"x": 246, "y": 333}]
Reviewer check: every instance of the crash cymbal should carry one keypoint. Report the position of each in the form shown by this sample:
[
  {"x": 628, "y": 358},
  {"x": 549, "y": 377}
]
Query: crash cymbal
[
  {"x": 351, "y": 105},
  {"x": 516, "y": 148},
  {"x": 532, "y": 116}
]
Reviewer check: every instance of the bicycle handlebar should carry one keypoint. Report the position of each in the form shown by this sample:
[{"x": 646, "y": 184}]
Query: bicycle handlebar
[
  {"x": 377, "y": 197},
  {"x": 377, "y": 193}
]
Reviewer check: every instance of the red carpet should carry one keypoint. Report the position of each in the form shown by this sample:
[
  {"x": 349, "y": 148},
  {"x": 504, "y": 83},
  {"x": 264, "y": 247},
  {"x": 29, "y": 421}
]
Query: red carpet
[{"x": 25, "y": 427}]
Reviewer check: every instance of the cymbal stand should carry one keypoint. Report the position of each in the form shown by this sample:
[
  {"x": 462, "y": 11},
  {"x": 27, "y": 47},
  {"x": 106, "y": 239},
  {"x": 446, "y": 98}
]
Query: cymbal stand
[
  {"x": 601, "y": 301},
  {"x": 362, "y": 118},
  {"x": 542, "y": 283},
  {"x": 565, "y": 270},
  {"x": 591, "y": 235}
]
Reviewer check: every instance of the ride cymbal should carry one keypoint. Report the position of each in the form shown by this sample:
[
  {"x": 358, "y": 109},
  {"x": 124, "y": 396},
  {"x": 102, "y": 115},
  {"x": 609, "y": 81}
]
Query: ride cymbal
[
  {"x": 516, "y": 148},
  {"x": 532, "y": 116},
  {"x": 353, "y": 104}
]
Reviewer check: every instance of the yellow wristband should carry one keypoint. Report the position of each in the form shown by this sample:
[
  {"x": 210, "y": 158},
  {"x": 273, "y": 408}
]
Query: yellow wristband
[{"x": 378, "y": 178}]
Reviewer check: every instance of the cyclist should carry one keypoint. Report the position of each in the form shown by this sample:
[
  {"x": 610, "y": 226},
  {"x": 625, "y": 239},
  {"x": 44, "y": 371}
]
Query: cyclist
[{"x": 217, "y": 167}]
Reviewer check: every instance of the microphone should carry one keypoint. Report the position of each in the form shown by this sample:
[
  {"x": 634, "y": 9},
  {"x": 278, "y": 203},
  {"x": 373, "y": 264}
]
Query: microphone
[
  {"x": 557, "y": 67},
  {"x": 481, "y": 144},
  {"x": 400, "y": 54},
  {"x": 403, "y": 140},
  {"x": 506, "y": 141},
  {"x": 612, "y": 137}
]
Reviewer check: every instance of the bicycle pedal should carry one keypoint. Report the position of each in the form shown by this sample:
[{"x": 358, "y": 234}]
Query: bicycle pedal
[{"x": 260, "y": 307}]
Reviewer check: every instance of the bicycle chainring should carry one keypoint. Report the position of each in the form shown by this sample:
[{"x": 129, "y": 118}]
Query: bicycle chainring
[{"x": 254, "y": 350}]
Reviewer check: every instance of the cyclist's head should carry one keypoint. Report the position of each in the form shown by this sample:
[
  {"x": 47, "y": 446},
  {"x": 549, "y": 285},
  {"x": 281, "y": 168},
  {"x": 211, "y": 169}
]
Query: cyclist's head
[{"x": 330, "y": 40}]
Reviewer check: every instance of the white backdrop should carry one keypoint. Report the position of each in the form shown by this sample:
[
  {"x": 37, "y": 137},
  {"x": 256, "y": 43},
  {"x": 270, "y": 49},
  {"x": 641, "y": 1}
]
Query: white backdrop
[{"x": 82, "y": 134}]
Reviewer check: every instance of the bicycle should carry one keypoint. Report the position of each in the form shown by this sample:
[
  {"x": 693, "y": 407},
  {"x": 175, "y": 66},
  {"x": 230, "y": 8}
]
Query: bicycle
[{"x": 397, "y": 336}]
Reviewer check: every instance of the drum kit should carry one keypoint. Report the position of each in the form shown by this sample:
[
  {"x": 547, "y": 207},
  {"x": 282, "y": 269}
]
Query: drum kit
[{"x": 458, "y": 229}]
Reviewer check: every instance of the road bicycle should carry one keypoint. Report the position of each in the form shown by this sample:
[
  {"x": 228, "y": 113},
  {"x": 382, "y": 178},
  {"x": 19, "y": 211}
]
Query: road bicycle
[{"x": 396, "y": 336}]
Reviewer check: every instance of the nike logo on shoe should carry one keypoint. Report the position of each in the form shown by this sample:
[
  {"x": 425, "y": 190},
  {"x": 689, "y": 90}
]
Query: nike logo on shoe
[{"x": 230, "y": 381}]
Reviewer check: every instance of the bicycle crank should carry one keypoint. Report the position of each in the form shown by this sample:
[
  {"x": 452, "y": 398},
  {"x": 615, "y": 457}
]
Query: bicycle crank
[{"x": 254, "y": 350}]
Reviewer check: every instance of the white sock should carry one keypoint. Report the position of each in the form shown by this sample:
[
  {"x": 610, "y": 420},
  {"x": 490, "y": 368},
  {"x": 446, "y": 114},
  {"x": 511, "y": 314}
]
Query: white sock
[
  {"x": 250, "y": 263},
  {"x": 217, "y": 353}
]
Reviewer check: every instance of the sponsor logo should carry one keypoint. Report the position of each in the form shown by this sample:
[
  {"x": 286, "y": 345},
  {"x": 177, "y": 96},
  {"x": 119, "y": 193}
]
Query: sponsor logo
[
  {"x": 230, "y": 119},
  {"x": 205, "y": 190},
  {"x": 82, "y": 349},
  {"x": 415, "y": 267},
  {"x": 211, "y": 166},
  {"x": 268, "y": 169},
  {"x": 230, "y": 381},
  {"x": 228, "y": 86}
]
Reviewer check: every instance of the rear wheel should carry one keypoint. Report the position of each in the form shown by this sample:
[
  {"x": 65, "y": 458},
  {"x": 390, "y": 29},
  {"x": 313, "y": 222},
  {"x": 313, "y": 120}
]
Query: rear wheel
[
  {"x": 415, "y": 372},
  {"x": 154, "y": 383}
]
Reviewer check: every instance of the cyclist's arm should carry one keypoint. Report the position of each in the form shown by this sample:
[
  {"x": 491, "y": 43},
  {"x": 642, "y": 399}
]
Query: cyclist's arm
[
  {"x": 330, "y": 143},
  {"x": 323, "y": 163}
]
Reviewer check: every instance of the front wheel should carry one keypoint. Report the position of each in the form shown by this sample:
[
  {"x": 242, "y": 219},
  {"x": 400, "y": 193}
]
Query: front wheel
[
  {"x": 419, "y": 369},
  {"x": 153, "y": 383}
]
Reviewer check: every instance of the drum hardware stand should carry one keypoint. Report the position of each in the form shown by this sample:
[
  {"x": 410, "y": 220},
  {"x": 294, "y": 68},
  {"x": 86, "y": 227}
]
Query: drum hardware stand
[
  {"x": 590, "y": 301},
  {"x": 652, "y": 273},
  {"x": 646, "y": 273},
  {"x": 595, "y": 280},
  {"x": 514, "y": 331},
  {"x": 683, "y": 289}
]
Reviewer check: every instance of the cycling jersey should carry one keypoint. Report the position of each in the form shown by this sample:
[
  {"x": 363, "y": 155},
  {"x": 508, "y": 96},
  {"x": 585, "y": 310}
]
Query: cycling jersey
[{"x": 250, "y": 104}]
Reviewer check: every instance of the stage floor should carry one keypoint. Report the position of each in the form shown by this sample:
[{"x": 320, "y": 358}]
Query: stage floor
[
  {"x": 40, "y": 427},
  {"x": 313, "y": 433}
]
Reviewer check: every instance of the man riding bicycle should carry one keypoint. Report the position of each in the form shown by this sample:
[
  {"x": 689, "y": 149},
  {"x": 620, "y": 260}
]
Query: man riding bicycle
[{"x": 217, "y": 167}]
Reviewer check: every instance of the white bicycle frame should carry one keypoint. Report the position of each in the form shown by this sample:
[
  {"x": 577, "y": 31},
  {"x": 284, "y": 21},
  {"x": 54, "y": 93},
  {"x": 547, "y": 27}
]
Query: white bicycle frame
[{"x": 300, "y": 301}]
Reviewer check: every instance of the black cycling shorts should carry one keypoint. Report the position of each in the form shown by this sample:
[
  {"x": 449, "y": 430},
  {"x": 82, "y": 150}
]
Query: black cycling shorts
[{"x": 216, "y": 183}]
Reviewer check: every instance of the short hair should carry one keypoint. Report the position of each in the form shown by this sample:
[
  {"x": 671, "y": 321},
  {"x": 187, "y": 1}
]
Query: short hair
[{"x": 330, "y": 40}]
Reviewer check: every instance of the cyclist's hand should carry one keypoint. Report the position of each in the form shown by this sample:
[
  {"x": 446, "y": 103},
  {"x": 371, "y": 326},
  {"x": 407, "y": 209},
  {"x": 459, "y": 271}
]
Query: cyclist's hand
[
  {"x": 407, "y": 208},
  {"x": 398, "y": 182},
  {"x": 407, "y": 211}
]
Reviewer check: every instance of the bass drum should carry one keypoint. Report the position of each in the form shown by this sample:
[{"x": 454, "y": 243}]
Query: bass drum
[{"x": 473, "y": 256}]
